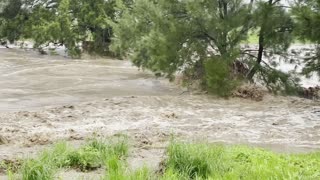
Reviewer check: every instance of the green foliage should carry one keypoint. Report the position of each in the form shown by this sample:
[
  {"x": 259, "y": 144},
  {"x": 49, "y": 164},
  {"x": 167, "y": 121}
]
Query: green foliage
[
  {"x": 10, "y": 9},
  {"x": 93, "y": 23},
  {"x": 53, "y": 24},
  {"x": 190, "y": 160},
  {"x": 307, "y": 18},
  {"x": 91, "y": 156},
  {"x": 44, "y": 167},
  {"x": 11, "y": 19},
  {"x": 152, "y": 41},
  {"x": 200, "y": 161},
  {"x": 96, "y": 153},
  {"x": 184, "y": 161},
  {"x": 279, "y": 82},
  {"x": 206, "y": 161},
  {"x": 36, "y": 170},
  {"x": 218, "y": 77},
  {"x": 57, "y": 156},
  {"x": 116, "y": 170},
  {"x": 274, "y": 24},
  {"x": 64, "y": 22},
  {"x": 86, "y": 158},
  {"x": 169, "y": 36}
]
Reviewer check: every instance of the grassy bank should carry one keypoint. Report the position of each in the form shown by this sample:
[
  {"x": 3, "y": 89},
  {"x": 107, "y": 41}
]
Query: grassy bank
[
  {"x": 199, "y": 161},
  {"x": 89, "y": 157},
  {"x": 184, "y": 161}
]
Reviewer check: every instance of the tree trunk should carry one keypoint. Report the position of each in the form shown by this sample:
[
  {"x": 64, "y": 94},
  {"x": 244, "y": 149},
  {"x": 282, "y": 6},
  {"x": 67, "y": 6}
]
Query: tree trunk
[
  {"x": 259, "y": 58},
  {"x": 261, "y": 45}
]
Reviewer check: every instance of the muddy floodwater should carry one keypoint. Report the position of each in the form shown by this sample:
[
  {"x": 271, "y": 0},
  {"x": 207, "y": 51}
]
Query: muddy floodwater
[
  {"x": 44, "y": 99},
  {"x": 29, "y": 80}
]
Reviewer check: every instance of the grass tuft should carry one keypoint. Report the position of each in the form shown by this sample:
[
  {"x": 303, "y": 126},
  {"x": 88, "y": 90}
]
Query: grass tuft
[
  {"x": 36, "y": 170},
  {"x": 85, "y": 159},
  {"x": 91, "y": 156},
  {"x": 201, "y": 161},
  {"x": 194, "y": 161},
  {"x": 117, "y": 170}
]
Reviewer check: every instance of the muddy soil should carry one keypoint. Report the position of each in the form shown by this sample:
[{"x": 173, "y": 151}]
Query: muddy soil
[{"x": 45, "y": 99}]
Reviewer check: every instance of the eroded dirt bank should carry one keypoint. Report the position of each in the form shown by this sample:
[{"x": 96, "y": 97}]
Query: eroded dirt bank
[{"x": 47, "y": 99}]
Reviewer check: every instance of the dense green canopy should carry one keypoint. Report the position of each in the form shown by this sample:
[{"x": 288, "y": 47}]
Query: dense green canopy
[
  {"x": 202, "y": 39},
  {"x": 307, "y": 14},
  {"x": 64, "y": 22}
]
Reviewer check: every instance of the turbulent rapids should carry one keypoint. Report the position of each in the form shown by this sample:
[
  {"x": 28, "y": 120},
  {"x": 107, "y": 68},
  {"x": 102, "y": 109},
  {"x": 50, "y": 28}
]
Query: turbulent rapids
[{"x": 45, "y": 99}]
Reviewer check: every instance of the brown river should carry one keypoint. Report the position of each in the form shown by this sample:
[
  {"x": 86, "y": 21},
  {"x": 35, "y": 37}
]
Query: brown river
[{"x": 45, "y": 99}]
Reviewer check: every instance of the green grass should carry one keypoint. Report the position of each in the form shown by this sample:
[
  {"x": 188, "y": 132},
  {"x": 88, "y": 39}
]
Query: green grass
[
  {"x": 252, "y": 39},
  {"x": 184, "y": 161},
  {"x": 201, "y": 161},
  {"x": 91, "y": 156},
  {"x": 118, "y": 170},
  {"x": 37, "y": 170},
  {"x": 217, "y": 162}
]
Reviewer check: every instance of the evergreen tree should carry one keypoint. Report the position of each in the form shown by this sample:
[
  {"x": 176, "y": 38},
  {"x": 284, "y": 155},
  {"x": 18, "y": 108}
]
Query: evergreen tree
[
  {"x": 64, "y": 22},
  {"x": 193, "y": 36},
  {"x": 11, "y": 19},
  {"x": 307, "y": 16},
  {"x": 274, "y": 26},
  {"x": 92, "y": 23}
]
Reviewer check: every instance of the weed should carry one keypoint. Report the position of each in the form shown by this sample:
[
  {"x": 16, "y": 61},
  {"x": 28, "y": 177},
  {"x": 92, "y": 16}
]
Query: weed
[
  {"x": 58, "y": 156},
  {"x": 85, "y": 159},
  {"x": 36, "y": 170},
  {"x": 116, "y": 170},
  {"x": 195, "y": 161},
  {"x": 91, "y": 156}
]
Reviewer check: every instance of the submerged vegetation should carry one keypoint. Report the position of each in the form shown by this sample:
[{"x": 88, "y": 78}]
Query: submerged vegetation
[
  {"x": 198, "y": 39},
  {"x": 184, "y": 161}
]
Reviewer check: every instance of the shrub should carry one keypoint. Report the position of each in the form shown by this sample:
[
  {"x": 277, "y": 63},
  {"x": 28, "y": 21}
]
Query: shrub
[{"x": 219, "y": 77}]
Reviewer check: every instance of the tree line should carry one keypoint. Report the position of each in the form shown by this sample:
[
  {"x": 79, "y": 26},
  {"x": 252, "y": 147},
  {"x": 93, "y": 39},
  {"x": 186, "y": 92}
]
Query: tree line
[{"x": 202, "y": 39}]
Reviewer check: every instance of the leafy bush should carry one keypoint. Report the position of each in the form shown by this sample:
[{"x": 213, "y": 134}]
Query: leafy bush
[{"x": 219, "y": 77}]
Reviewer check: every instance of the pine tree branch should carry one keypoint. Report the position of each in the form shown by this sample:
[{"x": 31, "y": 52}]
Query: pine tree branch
[
  {"x": 283, "y": 6},
  {"x": 251, "y": 55},
  {"x": 276, "y": 1},
  {"x": 250, "y": 50}
]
